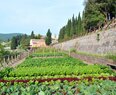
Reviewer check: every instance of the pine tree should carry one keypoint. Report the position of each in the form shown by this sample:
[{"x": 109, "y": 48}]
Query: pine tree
[{"x": 48, "y": 39}]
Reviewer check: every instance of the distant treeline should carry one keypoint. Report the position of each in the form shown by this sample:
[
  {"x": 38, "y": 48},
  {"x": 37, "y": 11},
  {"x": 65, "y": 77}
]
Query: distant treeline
[
  {"x": 95, "y": 15},
  {"x": 22, "y": 41}
]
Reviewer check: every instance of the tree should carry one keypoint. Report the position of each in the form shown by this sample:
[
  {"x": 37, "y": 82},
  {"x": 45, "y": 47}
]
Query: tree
[
  {"x": 32, "y": 35},
  {"x": 68, "y": 29},
  {"x": 73, "y": 27},
  {"x": 107, "y": 8},
  {"x": 38, "y": 36},
  {"x": 25, "y": 41},
  {"x": 13, "y": 43},
  {"x": 1, "y": 48},
  {"x": 48, "y": 39},
  {"x": 93, "y": 15},
  {"x": 79, "y": 25},
  {"x": 61, "y": 34},
  {"x": 1, "y": 52}
]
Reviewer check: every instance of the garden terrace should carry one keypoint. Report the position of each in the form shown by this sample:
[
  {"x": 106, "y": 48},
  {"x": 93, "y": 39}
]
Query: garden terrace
[{"x": 44, "y": 73}]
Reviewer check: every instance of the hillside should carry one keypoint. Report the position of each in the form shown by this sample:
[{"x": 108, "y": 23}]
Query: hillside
[
  {"x": 96, "y": 15},
  {"x": 5, "y": 37}
]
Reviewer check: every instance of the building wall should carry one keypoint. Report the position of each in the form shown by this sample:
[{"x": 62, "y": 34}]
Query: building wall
[
  {"x": 90, "y": 44},
  {"x": 37, "y": 43}
]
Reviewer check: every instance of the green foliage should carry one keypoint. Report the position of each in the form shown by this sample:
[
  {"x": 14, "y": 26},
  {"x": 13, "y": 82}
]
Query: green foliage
[
  {"x": 49, "y": 66},
  {"x": 79, "y": 25},
  {"x": 62, "y": 35},
  {"x": 73, "y": 50},
  {"x": 13, "y": 43},
  {"x": 38, "y": 36},
  {"x": 1, "y": 48},
  {"x": 57, "y": 66},
  {"x": 111, "y": 56},
  {"x": 73, "y": 29},
  {"x": 66, "y": 67},
  {"x": 6, "y": 37},
  {"x": 21, "y": 41},
  {"x": 32, "y": 35},
  {"x": 47, "y": 54},
  {"x": 5, "y": 72},
  {"x": 48, "y": 39},
  {"x": 4, "y": 53},
  {"x": 25, "y": 41},
  {"x": 94, "y": 16},
  {"x": 96, "y": 87},
  {"x": 44, "y": 62}
]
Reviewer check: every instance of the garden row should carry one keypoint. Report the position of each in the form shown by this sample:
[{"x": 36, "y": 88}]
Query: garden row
[
  {"x": 85, "y": 87},
  {"x": 55, "y": 68}
]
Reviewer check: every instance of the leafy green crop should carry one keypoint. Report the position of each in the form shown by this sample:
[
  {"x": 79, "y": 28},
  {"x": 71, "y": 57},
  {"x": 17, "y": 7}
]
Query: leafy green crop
[
  {"x": 66, "y": 61},
  {"x": 5, "y": 72},
  {"x": 58, "y": 70},
  {"x": 38, "y": 66},
  {"x": 96, "y": 87},
  {"x": 47, "y": 54}
]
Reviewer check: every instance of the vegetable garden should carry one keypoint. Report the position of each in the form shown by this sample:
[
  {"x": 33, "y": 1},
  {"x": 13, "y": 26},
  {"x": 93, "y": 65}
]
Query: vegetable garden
[{"x": 52, "y": 72}]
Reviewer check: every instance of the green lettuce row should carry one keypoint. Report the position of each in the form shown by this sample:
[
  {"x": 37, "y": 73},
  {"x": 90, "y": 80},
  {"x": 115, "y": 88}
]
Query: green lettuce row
[{"x": 59, "y": 70}]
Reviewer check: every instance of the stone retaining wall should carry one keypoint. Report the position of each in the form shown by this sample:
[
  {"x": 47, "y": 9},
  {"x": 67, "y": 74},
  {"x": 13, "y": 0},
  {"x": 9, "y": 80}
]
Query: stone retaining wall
[{"x": 99, "y": 42}]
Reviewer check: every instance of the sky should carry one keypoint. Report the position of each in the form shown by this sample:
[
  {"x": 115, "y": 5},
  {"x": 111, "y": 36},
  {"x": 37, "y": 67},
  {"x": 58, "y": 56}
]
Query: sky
[{"x": 23, "y": 16}]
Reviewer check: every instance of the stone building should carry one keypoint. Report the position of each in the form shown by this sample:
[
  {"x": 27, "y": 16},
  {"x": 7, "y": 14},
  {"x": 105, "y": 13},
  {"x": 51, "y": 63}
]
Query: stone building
[{"x": 37, "y": 43}]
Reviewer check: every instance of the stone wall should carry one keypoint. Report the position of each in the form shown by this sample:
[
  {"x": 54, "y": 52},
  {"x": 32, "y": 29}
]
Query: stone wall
[{"x": 105, "y": 43}]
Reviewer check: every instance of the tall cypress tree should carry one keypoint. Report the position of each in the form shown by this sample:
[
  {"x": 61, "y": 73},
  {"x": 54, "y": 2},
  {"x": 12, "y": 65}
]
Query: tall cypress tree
[
  {"x": 79, "y": 25},
  {"x": 32, "y": 35},
  {"x": 68, "y": 28},
  {"x": 73, "y": 28},
  {"x": 62, "y": 34},
  {"x": 76, "y": 25},
  {"x": 48, "y": 39}
]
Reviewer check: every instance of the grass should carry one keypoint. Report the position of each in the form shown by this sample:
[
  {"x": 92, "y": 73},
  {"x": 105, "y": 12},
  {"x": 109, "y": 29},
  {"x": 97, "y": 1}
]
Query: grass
[
  {"x": 91, "y": 54},
  {"x": 111, "y": 56},
  {"x": 107, "y": 56}
]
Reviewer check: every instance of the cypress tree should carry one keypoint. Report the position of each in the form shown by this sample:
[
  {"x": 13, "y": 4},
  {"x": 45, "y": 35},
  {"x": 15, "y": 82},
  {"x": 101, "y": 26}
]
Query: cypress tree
[
  {"x": 79, "y": 25},
  {"x": 76, "y": 25},
  {"x": 48, "y": 39},
  {"x": 61, "y": 34},
  {"x": 32, "y": 35},
  {"x": 73, "y": 28},
  {"x": 68, "y": 28}
]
